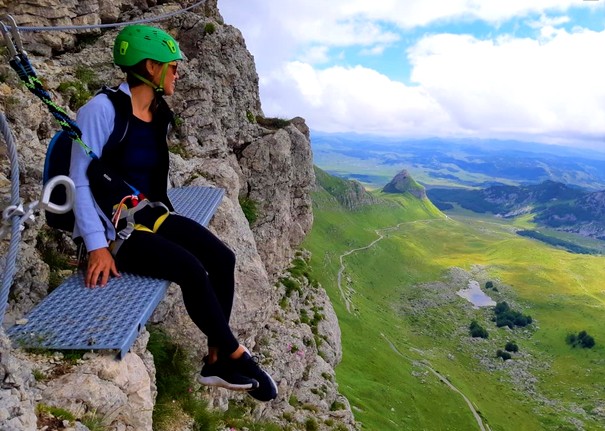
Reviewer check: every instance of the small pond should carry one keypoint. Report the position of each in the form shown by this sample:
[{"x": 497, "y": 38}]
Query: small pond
[{"x": 475, "y": 295}]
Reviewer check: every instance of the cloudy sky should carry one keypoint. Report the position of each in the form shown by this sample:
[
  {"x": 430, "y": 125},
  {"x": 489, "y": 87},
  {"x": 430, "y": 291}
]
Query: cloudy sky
[{"x": 525, "y": 69}]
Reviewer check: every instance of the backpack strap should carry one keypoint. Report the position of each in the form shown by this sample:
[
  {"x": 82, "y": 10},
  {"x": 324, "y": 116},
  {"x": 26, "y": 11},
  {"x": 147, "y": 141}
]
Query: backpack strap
[{"x": 123, "y": 110}]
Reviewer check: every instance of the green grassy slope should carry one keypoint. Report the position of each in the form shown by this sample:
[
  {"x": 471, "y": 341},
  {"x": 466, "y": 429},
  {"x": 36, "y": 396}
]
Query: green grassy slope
[{"x": 404, "y": 317}]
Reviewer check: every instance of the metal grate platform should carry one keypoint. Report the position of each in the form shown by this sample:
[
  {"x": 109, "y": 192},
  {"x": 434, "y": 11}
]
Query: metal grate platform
[{"x": 74, "y": 317}]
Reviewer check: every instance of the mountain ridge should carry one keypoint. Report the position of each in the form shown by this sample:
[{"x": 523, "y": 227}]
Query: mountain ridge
[
  {"x": 457, "y": 162},
  {"x": 552, "y": 204}
]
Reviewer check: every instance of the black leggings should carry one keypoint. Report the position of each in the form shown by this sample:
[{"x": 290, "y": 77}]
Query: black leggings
[{"x": 186, "y": 253}]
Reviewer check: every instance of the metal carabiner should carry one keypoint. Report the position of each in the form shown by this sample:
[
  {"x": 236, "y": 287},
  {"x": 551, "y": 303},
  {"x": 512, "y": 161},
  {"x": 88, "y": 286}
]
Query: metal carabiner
[
  {"x": 12, "y": 38},
  {"x": 24, "y": 214},
  {"x": 70, "y": 193},
  {"x": 18, "y": 60}
]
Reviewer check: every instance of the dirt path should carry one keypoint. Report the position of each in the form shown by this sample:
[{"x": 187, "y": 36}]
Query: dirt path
[
  {"x": 482, "y": 427},
  {"x": 346, "y": 295}
]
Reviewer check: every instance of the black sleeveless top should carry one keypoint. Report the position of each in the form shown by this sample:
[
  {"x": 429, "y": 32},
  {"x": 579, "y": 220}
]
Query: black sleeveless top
[{"x": 141, "y": 157}]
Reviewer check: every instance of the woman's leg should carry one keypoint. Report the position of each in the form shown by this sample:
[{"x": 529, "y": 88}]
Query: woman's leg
[
  {"x": 154, "y": 255},
  {"x": 216, "y": 258},
  {"x": 214, "y": 255}
]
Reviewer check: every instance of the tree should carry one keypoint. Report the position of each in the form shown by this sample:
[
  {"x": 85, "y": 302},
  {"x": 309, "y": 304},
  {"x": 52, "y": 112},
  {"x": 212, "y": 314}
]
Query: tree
[
  {"x": 501, "y": 307},
  {"x": 505, "y": 316},
  {"x": 489, "y": 285},
  {"x": 478, "y": 331},
  {"x": 504, "y": 355},
  {"x": 511, "y": 347},
  {"x": 582, "y": 339},
  {"x": 588, "y": 342}
]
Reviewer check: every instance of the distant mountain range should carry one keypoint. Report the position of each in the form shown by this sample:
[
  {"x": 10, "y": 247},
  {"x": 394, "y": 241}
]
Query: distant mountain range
[
  {"x": 553, "y": 204},
  {"x": 454, "y": 162},
  {"x": 562, "y": 188}
]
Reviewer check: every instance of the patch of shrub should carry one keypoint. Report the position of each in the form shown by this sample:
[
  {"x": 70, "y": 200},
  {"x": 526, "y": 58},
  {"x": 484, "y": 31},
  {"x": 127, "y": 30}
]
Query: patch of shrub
[
  {"x": 272, "y": 123},
  {"x": 478, "y": 331},
  {"x": 87, "y": 76},
  {"x": 56, "y": 254},
  {"x": 511, "y": 347},
  {"x": 173, "y": 381},
  {"x": 581, "y": 340},
  {"x": 291, "y": 285},
  {"x": 249, "y": 208},
  {"x": 251, "y": 118},
  {"x": 311, "y": 425},
  {"x": 94, "y": 422},
  {"x": 504, "y": 355},
  {"x": 57, "y": 412},
  {"x": 505, "y": 316},
  {"x": 337, "y": 405},
  {"x": 209, "y": 28},
  {"x": 76, "y": 92}
]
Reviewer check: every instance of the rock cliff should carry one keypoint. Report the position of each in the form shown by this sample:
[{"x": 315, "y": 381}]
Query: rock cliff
[
  {"x": 351, "y": 194},
  {"x": 222, "y": 140}
]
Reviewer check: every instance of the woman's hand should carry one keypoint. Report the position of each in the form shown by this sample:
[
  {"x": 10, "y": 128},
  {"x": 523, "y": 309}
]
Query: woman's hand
[{"x": 100, "y": 266}]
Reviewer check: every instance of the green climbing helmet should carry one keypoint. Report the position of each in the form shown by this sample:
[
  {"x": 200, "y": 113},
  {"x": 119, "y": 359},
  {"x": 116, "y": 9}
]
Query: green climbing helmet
[{"x": 139, "y": 42}]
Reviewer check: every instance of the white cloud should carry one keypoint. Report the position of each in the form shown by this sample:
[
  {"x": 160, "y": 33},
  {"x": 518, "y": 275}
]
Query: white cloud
[
  {"x": 507, "y": 87},
  {"x": 315, "y": 55},
  {"x": 516, "y": 86},
  {"x": 551, "y": 86},
  {"x": 354, "y": 99},
  {"x": 346, "y": 22}
]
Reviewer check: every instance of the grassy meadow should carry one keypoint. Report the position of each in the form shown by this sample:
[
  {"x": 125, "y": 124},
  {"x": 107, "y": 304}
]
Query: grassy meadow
[{"x": 403, "y": 325}]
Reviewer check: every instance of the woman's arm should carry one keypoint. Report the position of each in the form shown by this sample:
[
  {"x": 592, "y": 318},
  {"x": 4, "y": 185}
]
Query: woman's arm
[{"x": 96, "y": 120}]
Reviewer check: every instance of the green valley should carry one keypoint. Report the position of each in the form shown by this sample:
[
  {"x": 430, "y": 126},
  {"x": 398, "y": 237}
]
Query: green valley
[{"x": 393, "y": 269}]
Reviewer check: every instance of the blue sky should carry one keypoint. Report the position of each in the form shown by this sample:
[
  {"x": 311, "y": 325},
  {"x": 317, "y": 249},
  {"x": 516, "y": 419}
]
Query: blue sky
[{"x": 502, "y": 69}]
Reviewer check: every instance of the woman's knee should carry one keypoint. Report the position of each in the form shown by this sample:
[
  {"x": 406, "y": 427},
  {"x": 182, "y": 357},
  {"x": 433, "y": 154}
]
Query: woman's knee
[{"x": 186, "y": 271}]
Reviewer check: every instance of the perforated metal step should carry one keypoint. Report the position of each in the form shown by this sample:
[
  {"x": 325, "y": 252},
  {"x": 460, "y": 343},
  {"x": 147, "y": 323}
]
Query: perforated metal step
[{"x": 74, "y": 317}]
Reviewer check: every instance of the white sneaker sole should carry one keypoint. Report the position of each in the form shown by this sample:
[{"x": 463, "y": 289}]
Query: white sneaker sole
[{"x": 217, "y": 381}]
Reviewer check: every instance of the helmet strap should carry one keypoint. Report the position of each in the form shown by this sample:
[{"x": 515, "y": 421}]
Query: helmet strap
[{"x": 159, "y": 89}]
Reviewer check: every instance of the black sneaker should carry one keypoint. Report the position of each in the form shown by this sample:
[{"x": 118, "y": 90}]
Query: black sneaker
[
  {"x": 222, "y": 373},
  {"x": 247, "y": 365}
]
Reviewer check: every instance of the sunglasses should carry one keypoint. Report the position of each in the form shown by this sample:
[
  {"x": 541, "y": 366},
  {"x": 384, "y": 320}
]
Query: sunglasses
[{"x": 173, "y": 66}]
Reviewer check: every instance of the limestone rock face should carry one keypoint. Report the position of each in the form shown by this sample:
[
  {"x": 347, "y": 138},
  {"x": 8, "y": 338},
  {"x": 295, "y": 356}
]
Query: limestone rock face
[
  {"x": 282, "y": 199},
  {"x": 117, "y": 390},
  {"x": 16, "y": 403},
  {"x": 220, "y": 141}
]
